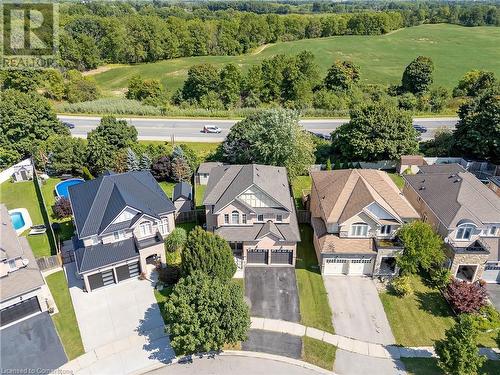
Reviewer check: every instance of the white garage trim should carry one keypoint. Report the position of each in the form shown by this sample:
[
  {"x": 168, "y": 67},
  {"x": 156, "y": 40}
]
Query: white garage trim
[
  {"x": 362, "y": 266},
  {"x": 491, "y": 272}
]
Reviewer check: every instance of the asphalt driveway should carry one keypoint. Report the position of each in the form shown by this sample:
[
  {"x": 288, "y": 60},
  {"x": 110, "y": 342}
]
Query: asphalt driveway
[
  {"x": 348, "y": 363},
  {"x": 357, "y": 310},
  {"x": 273, "y": 343},
  {"x": 272, "y": 293},
  {"x": 31, "y": 344},
  {"x": 494, "y": 294},
  {"x": 124, "y": 315}
]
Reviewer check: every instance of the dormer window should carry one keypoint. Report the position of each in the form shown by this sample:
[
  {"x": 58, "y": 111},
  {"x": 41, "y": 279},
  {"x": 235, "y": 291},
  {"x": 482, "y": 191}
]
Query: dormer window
[
  {"x": 260, "y": 218},
  {"x": 359, "y": 230},
  {"x": 235, "y": 217},
  {"x": 279, "y": 218},
  {"x": 385, "y": 230},
  {"x": 163, "y": 225},
  {"x": 465, "y": 231},
  {"x": 118, "y": 235},
  {"x": 145, "y": 228}
]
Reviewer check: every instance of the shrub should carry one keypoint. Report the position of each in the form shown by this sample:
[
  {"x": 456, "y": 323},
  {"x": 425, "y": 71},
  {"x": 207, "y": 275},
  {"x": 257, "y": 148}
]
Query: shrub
[
  {"x": 62, "y": 208},
  {"x": 487, "y": 319},
  {"x": 173, "y": 258},
  {"x": 86, "y": 174},
  {"x": 401, "y": 286},
  {"x": 161, "y": 168},
  {"x": 176, "y": 240},
  {"x": 466, "y": 297},
  {"x": 407, "y": 101},
  {"x": 458, "y": 352},
  {"x": 440, "y": 277}
]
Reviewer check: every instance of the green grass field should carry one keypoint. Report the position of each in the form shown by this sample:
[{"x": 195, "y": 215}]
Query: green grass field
[
  {"x": 67, "y": 228},
  {"x": 382, "y": 58}
]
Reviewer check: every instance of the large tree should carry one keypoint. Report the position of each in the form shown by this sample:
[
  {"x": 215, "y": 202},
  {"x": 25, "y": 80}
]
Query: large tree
[
  {"x": 458, "y": 352},
  {"x": 475, "y": 82},
  {"x": 207, "y": 252},
  {"x": 62, "y": 154},
  {"x": 272, "y": 137},
  {"x": 201, "y": 79},
  {"x": 478, "y": 132},
  {"x": 341, "y": 76},
  {"x": 423, "y": 248},
  {"x": 417, "y": 77},
  {"x": 376, "y": 131},
  {"x": 204, "y": 313},
  {"x": 25, "y": 120}
]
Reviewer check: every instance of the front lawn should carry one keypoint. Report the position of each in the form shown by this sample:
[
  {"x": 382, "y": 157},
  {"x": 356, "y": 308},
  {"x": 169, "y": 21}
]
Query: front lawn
[
  {"x": 65, "y": 319},
  {"x": 314, "y": 308},
  {"x": 428, "y": 366},
  {"x": 67, "y": 229},
  {"x": 418, "y": 319},
  {"x": 318, "y": 353},
  {"x": 299, "y": 184},
  {"x": 23, "y": 195}
]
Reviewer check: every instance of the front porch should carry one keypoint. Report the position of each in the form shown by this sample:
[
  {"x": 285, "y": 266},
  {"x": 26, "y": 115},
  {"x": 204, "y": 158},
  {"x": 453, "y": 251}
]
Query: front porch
[{"x": 467, "y": 260}]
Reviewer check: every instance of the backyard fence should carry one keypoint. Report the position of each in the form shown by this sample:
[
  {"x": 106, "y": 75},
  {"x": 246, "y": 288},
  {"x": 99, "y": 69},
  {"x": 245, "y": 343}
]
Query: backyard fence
[
  {"x": 47, "y": 263},
  {"x": 54, "y": 245},
  {"x": 192, "y": 216},
  {"x": 303, "y": 217}
]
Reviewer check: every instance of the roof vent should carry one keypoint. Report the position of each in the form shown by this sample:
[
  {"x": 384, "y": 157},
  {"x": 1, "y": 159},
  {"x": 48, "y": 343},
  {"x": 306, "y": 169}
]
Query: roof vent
[
  {"x": 457, "y": 180},
  {"x": 452, "y": 176},
  {"x": 323, "y": 197},
  {"x": 422, "y": 188}
]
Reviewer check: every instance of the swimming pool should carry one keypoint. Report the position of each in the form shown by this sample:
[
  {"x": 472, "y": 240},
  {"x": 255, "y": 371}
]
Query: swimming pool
[
  {"x": 20, "y": 219},
  {"x": 62, "y": 187}
]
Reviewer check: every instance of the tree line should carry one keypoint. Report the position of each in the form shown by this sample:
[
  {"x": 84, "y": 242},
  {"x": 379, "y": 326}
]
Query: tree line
[{"x": 123, "y": 32}]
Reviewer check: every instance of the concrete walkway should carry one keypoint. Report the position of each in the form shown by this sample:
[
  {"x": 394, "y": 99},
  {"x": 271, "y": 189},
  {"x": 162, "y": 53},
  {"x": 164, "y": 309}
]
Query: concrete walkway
[{"x": 353, "y": 345}]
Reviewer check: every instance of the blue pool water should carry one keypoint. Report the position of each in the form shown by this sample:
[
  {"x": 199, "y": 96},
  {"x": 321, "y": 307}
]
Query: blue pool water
[
  {"x": 62, "y": 187},
  {"x": 17, "y": 220}
]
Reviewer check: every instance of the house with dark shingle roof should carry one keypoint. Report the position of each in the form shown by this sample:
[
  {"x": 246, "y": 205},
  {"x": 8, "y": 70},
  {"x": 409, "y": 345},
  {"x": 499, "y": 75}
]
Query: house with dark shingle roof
[
  {"x": 183, "y": 197},
  {"x": 252, "y": 208},
  {"x": 355, "y": 214},
  {"x": 121, "y": 221},
  {"x": 465, "y": 213}
]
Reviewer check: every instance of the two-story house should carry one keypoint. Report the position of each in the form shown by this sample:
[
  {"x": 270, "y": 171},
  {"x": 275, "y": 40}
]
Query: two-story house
[
  {"x": 252, "y": 208},
  {"x": 121, "y": 221},
  {"x": 465, "y": 213},
  {"x": 355, "y": 214}
]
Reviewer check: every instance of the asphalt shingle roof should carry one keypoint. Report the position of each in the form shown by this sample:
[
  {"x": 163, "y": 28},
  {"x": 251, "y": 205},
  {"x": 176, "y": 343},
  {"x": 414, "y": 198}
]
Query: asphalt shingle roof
[
  {"x": 182, "y": 190},
  {"x": 96, "y": 203},
  {"x": 101, "y": 255}
]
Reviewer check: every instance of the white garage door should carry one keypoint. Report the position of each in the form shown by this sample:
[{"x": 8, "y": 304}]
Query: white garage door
[
  {"x": 335, "y": 266},
  {"x": 491, "y": 273},
  {"x": 360, "y": 266}
]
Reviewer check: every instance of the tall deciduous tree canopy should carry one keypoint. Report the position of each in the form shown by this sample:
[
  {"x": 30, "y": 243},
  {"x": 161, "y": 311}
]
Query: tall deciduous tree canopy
[
  {"x": 272, "y": 137},
  {"x": 458, "y": 352},
  {"x": 204, "y": 313},
  {"x": 376, "y": 131},
  {"x": 62, "y": 154},
  {"x": 475, "y": 82},
  {"x": 417, "y": 77},
  {"x": 423, "y": 248},
  {"x": 25, "y": 120},
  {"x": 207, "y": 252},
  {"x": 341, "y": 76},
  {"x": 478, "y": 132}
]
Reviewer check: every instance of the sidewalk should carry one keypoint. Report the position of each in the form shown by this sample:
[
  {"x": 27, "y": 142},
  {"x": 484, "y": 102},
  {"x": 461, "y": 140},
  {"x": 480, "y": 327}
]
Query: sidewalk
[{"x": 355, "y": 346}]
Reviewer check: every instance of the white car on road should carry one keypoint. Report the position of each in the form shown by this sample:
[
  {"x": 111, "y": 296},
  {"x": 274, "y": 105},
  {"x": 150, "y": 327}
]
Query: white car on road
[{"x": 211, "y": 129}]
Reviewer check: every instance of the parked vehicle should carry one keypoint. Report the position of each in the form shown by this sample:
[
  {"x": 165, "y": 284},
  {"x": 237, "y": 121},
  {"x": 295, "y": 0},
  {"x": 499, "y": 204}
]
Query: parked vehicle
[
  {"x": 324, "y": 136},
  {"x": 69, "y": 125},
  {"x": 211, "y": 129},
  {"x": 420, "y": 128}
]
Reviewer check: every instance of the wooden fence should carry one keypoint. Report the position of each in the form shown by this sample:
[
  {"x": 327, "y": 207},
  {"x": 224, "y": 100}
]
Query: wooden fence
[
  {"x": 193, "y": 216},
  {"x": 47, "y": 263},
  {"x": 303, "y": 217}
]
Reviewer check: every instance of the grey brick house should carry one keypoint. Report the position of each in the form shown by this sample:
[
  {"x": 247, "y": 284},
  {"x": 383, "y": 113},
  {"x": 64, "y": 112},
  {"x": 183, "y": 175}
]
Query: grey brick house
[
  {"x": 465, "y": 213},
  {"x": 121, "y": 221},
  {"x": 252, "y": 208}
]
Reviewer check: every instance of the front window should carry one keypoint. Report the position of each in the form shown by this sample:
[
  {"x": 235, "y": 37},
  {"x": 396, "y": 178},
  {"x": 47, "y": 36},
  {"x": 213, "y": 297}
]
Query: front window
[
  {"x": 145, "y": 228},
  {"x": 359, "y": 230},
  {"x": 235, "y": 217},
  {"x": 244, "y": 218},
  {"x": 163, "y": 226},
  {"x": 260, "y": 217},
  {"x": 492, "y": 231},
  {"x": 464, "y": 232},
  {"x": 226, "y": 218},
  {"x": 118, "y": 235},
  {"x": 279, "y": 218},
  {"x": 385, "y": 230}
]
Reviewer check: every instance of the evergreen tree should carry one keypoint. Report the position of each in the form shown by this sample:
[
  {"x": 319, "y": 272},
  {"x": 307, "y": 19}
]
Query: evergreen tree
[
  {"x": 132, "y": 162},
  {"x": 145, "y": 162}
]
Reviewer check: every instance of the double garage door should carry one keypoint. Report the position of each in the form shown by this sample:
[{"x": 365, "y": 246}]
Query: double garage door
[
  {"x": 491, "y": 273},
  {"x": 19, "y": 311},
  {"x": 348, "y": 266},
  {"x": 127, "y": 271},
  {"x": 261, "y": 256}
]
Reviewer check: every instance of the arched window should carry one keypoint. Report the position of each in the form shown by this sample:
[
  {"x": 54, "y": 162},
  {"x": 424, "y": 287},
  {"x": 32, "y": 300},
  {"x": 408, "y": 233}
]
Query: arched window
[
  {"x": 145, "y": 228},
  {"x": 235, "y": 217},
  {"x": 359, "y": 229},
  {"x": 464, "y": 231}
]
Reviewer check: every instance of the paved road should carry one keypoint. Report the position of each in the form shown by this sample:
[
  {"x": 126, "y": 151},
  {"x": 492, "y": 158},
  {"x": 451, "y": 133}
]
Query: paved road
[
  {"x": 230, "y": 365},
  {"x": 190, "y": 129}
]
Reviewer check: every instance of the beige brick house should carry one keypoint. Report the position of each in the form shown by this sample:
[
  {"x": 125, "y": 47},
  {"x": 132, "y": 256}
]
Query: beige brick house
[
  {"x": 355, "y": 214},
  {"x": 466, "y": 213},
  {"x": 252, "y": 208}
]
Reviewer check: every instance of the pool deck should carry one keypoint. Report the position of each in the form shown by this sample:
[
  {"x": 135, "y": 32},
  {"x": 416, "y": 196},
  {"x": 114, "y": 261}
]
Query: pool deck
[{"x": 26, "y": 218}]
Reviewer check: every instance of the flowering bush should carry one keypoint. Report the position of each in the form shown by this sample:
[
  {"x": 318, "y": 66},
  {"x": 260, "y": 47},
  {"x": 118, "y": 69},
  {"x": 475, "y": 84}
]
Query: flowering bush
[{"x": 466, "y": 297}]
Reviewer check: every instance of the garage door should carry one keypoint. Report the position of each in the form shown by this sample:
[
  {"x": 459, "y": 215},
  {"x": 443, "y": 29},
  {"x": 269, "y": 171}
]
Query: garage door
[
  {"x": 491, "y": 273},
  {"x": 19, "y": 310},
  {"x": 257, "y": 256},
  {"x": 99, "y": 280},
  {"x": 360, "y": 266},
  {"x": 127, "y": 271},
  {"x": 281, "y": 256},
  {"x": 335, "y": 266}
]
